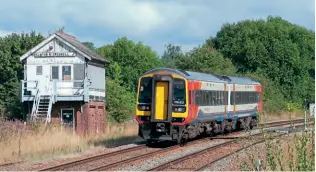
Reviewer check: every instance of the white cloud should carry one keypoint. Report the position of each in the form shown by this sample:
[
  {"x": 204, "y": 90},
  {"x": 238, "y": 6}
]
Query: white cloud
[
  {"x": 149, "y": 20},
  {"x": 138, "y": 17}
]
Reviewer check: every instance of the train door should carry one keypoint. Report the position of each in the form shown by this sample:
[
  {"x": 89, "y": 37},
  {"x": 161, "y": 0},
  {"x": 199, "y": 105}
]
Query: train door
[
  {"x": 230, "y": 98},
  {"x": 161, "y": 100}
]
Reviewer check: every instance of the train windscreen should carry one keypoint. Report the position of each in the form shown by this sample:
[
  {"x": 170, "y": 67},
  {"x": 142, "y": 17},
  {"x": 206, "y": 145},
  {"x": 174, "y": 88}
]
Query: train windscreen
[
  {"x": 178, "y": 92},
  {"x": 145, "y": 90}
]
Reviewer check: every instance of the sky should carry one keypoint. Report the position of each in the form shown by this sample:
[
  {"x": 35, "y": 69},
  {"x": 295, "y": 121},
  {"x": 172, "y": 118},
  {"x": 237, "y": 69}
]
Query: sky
[{"x": 156, "y": 23}]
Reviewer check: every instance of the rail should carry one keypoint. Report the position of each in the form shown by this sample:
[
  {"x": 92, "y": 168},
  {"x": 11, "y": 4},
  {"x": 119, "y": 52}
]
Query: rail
[{"x": 133, "y": 159}]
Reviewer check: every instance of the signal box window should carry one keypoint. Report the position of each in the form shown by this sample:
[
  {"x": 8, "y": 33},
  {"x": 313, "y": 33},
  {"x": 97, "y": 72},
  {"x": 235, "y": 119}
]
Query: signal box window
[
  {"x": 66, "y": 73},
  {"x": 55, "y": 72},
  {"x": 39, "y": 70}
]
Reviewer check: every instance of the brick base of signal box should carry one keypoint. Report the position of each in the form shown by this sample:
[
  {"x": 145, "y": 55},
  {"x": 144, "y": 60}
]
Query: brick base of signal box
[{"x": 91, "y": 121}]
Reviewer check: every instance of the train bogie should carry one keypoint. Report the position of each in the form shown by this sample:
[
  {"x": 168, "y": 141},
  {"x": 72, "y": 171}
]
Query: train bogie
[{"x": 176, "y": 105}]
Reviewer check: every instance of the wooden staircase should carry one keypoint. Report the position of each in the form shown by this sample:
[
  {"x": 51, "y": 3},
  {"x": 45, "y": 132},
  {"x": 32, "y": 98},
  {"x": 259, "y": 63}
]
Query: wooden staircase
[{"x": 42, "y": 108}]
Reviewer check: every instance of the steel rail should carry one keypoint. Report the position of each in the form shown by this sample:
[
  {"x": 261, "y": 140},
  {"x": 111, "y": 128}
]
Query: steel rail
[
  {"x": 109, "y": 166},
  {"x": 201, "y": 152},
  {"x": 93, "y": 158},
  {"x": 97, "y": 157}
]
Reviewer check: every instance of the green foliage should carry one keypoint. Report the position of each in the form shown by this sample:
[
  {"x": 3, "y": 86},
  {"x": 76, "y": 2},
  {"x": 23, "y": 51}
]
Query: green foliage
[
  {"x": 120, "y": 102},
  {"x": 12, "y": 47},
  {"x": 278, "y": 54},
  {"x": 171, "y": 55},
  {"x": 90, "y": 45},
  {"x": 277, "y": 49},
  {"x": 206, "y": 59},
  {"x": 133, "y": 59}
]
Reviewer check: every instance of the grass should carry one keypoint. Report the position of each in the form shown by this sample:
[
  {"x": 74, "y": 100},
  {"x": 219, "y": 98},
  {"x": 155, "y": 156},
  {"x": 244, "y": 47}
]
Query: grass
[
  {"x": 293, "y": 152},
  {"x": 275, "y": 116},
  {"x": 19, "y": 142}
]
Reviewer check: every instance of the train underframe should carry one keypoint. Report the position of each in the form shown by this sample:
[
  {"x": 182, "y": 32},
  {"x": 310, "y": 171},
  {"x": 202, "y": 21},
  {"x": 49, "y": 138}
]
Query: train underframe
[{"x": 165, "y": 131}]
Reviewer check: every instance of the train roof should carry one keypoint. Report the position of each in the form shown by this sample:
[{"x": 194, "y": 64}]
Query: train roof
[{"x": 207, "y": 77}]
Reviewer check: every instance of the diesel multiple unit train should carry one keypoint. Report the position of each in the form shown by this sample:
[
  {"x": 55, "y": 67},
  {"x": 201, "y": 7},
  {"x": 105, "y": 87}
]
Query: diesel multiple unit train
[{"x": 178, "y": 105}]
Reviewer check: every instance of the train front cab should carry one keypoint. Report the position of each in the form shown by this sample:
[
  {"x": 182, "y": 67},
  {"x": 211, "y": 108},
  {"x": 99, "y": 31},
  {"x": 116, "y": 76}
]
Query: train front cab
[{"x": 162, "y": 106}]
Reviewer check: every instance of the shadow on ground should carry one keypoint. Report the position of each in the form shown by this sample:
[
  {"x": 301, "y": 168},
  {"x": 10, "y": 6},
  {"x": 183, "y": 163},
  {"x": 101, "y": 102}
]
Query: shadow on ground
[{"x": 115, "y": 142}]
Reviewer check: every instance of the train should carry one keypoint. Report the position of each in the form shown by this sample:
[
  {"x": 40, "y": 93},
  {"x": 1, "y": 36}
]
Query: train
[{"x": 177, "y": 105}]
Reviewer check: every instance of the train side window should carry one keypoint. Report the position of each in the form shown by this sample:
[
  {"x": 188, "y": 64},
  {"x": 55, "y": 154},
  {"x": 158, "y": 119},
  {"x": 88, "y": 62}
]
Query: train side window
[
  {"x": 198, "y": 97},
  {"x": 245, "y": 97},
  {"x": 237, "y": 100},
  {"x": 206, "y": 98},
  {"x": 214, "y": 98}
]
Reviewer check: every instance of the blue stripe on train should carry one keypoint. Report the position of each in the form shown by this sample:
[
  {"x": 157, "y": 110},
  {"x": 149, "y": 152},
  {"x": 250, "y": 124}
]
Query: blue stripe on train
[{"x": 229, "y": 115}]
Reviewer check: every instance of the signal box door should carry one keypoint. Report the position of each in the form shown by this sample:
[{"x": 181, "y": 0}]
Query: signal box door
[{"x": 161, "y": 100}]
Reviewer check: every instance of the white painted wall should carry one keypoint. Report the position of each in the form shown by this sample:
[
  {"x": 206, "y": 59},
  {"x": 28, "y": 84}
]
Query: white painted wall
[
  {"x": 97, "y": 79},
  {"x": 47, "y": 62}
]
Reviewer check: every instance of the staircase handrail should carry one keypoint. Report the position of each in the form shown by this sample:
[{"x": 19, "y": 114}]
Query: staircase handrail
[
  {"x": 48, "y": 117},
  {"x": 35, "y": 100}
]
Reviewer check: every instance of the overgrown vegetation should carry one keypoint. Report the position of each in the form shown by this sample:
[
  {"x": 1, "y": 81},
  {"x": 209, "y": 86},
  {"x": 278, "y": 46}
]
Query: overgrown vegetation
[
  {"x": 24, "y": 143},
  {"x": 275, "y": 52},
  {"x": 291, "y": 152}
]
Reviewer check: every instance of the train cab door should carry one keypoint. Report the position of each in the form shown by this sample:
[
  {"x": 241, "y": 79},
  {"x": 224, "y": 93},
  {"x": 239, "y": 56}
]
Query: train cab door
[{"x": 161, "y": 100}]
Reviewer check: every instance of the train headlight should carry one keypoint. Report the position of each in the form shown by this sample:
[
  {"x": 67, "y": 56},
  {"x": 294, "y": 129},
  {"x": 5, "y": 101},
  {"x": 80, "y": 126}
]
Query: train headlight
[
  {"x": 178, "y": 109},
  {"x": 144, "y": 107}
]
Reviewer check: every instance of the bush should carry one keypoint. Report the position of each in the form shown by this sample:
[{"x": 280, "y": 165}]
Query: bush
[{"x": 120, "y": 102}]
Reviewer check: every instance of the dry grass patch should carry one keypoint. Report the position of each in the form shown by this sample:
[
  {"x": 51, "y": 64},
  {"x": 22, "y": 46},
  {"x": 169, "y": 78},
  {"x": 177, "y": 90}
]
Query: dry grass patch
[
  {"x": 277, "y": 116},
  {"x": 20, "y": 142},
  {"x": 24, "y": 144}
]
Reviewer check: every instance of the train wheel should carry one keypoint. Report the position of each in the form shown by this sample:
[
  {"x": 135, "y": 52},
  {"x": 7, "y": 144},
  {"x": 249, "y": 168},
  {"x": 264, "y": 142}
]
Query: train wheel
[
  {"x": 252, "y": 123},
  {"x": 183, "y": 140},
  {"x": 151, "y": 142}
]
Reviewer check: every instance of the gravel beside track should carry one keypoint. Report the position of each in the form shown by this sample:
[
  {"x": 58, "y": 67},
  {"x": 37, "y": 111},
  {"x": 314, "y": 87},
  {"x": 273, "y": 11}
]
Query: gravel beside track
[
  {"x": 163, "y": 158},
  {"x": 110, "y": 159}
]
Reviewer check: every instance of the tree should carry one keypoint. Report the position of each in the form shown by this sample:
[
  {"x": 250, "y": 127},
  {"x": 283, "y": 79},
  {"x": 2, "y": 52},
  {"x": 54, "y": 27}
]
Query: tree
[
  {"x": 207, "y": 60},
  {"x": 12, "y": 47},
  {"x": 133, "y": 58},
  {"x": 90, "y": 45},
  {"x": 275, "y": 48},
  {"x": 171, "y": 55}
]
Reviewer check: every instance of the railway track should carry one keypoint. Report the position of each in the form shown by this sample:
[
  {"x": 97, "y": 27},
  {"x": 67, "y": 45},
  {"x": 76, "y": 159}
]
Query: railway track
[
  {"x": 142, "y": 156},
  {"x": 195, "y": 158},
  {"x": 119, "y": 163},
  {"x": 94, "y": 158}
]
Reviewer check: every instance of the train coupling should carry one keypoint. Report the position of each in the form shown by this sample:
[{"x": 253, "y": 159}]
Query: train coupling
[{"x": 161, "y": 127}]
